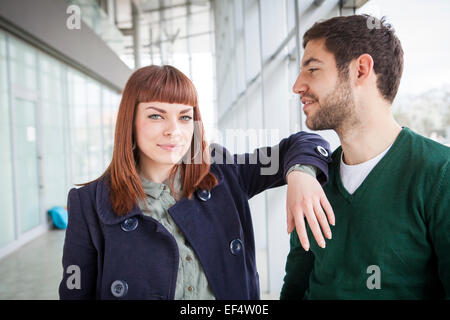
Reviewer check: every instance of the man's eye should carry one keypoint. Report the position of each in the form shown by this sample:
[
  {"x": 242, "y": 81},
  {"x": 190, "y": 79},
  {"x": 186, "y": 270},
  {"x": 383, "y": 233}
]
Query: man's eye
[
  {"x": 311, "y": 70},
  {"x": 186, "y": 118},
  {"x": 155, "y": 116}
]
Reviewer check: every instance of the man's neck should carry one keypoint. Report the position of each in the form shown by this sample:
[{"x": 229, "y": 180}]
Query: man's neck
[{"x": 367, "y": 139}]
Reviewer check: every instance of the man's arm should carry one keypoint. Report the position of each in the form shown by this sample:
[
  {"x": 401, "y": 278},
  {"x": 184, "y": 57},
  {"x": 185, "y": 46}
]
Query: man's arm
[{"x": 298, "y": 269}]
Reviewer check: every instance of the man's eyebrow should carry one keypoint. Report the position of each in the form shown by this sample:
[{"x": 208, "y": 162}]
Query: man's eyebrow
[
  {"x": 307, "y": 62},
  {"x": 164, "y": 111}
]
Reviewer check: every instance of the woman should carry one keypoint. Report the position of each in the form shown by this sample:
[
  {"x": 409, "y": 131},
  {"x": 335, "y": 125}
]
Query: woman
[{"x": 162, "y": 222}]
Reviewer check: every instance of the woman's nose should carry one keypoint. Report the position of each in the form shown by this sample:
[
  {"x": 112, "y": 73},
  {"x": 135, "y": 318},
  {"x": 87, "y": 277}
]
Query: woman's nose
[{"x": 172, "y": 127}]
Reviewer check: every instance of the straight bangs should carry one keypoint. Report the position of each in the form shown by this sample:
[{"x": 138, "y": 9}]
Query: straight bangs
[{"x": 169, "y": 85}]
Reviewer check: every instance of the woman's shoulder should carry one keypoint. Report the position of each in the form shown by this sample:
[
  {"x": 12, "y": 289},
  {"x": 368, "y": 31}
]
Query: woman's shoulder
[
  {"x": 90, "y": 201},
  {"x": 89, "y": 190}
]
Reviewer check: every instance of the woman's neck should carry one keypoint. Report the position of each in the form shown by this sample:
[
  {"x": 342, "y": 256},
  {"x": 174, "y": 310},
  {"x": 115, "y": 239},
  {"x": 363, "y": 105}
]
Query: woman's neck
[{"x": 155, "y": 172}]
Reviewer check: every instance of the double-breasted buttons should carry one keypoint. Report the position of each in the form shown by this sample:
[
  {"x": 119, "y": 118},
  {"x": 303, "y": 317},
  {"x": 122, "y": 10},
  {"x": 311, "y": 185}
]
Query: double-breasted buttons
[
  {"x": 129, "y": 224},
  {"x": 119, "y": 288},
  {"x": 203, "y": 195},
  {"x": 322, "y": 151},
  {"x": 236, "y": 246}
]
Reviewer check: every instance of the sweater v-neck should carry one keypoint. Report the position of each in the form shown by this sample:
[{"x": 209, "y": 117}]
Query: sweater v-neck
[{"x": 373, "y": 174}]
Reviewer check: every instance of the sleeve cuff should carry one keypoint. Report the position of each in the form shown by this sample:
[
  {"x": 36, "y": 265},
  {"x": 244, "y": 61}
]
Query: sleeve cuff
[{"x": 304, "y": 168}]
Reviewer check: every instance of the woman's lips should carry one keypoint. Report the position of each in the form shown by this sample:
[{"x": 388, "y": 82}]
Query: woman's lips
[{"x": 169, "y": 147}]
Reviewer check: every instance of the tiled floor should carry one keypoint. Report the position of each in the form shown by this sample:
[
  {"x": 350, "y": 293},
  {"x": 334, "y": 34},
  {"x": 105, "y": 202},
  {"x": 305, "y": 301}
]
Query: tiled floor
[{"x": 34, "y": 270}]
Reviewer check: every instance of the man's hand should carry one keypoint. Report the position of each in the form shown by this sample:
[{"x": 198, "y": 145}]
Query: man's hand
[{"x": 305, "y": 199}]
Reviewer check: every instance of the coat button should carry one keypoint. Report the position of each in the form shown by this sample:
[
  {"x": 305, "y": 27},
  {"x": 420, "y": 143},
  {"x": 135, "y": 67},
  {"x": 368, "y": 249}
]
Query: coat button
[
  {"x": 236, "y": 246},
  {"x": 119, "y": 288},
  {"x": 203, "y": 195},
  {"x": 129, "y": 224},
  {"x": 322, "y": 151}
]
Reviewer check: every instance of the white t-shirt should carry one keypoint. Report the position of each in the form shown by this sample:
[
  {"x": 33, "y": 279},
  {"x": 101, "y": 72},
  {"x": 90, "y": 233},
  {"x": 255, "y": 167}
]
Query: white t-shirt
[{"x": 353, "y": 176}]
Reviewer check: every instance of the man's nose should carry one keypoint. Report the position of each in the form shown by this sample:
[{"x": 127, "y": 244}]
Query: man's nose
[{"x": 300, "y": 86}]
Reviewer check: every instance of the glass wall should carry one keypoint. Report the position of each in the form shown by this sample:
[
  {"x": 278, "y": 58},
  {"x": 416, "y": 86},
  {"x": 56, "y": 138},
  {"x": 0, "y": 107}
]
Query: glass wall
[
  {"x": 78, "y": 126},
  {"x": 110, "y": 103},
  {"x": 22, "y": 61},
  {"x": 7, "y": 225},
  {"x": 56, "y": 130},
  {"x": 26, "y": 162}
]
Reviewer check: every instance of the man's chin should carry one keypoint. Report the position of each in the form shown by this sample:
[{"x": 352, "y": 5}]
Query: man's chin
[
  {"x": 314, "y": 125},
  {"x": 310, "y": 124}
]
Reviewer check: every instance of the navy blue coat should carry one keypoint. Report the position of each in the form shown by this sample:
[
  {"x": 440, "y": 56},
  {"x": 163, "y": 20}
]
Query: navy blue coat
[{"x": 135, "y": 257}]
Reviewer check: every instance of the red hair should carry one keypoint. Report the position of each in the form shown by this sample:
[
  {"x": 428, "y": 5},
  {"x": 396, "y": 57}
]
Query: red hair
[{"x": 159, "y": 84}]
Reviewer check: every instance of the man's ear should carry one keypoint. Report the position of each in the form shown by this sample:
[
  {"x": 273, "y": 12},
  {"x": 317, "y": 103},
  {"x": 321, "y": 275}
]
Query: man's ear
[{"x": 364, "y": 68}]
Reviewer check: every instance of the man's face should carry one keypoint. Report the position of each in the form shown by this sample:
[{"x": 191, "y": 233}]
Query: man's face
[{"x": 326, "y": 95}]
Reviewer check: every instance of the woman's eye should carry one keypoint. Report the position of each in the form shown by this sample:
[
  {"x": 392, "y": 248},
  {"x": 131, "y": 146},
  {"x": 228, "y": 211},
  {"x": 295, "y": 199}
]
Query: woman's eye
[
  {"x": 186, "y": 118},
  {"x": 155, "y": 116}
]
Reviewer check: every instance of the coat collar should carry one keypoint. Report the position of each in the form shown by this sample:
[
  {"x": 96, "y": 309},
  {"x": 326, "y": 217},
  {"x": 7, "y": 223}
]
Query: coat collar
[{"x": 104, "y": 206}]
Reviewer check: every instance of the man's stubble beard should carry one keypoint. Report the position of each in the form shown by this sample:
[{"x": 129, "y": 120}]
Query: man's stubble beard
[{"x": 335, "y": 110}]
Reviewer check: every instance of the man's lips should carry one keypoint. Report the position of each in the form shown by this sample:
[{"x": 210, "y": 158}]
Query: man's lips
[{"x": 308, "y": 104}]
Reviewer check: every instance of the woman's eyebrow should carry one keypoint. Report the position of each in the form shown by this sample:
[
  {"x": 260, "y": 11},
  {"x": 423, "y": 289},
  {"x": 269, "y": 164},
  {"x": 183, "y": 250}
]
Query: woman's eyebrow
[
  {"x": 186, "y": 110},
  {"x": 157, "y": 109},
  {"x": 164, "y": 111}
]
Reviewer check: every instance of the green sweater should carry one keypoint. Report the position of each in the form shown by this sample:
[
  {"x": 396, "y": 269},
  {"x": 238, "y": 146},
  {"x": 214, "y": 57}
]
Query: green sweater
[{"x": 392, "y": 236}]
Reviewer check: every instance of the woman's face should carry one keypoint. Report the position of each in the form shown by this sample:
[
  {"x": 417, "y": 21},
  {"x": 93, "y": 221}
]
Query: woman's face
[{"x": 163, "y": 132}]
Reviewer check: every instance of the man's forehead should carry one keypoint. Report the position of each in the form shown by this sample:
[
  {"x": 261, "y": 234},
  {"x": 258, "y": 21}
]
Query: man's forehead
[
  {"x": 315, "y": 51},
  {"x": 310, "y": 60}
]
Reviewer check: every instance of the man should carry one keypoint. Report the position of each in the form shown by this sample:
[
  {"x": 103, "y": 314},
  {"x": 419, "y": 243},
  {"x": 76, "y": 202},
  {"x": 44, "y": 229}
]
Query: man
[{"x": 388, "y": 186}]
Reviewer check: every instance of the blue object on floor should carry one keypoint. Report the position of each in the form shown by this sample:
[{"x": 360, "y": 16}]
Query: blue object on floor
[{"x": 59, "y": 217}]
